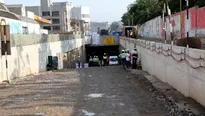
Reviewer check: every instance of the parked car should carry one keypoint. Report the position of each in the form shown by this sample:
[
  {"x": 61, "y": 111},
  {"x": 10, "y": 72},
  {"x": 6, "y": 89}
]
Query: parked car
[{"x": 113, "y": 60}]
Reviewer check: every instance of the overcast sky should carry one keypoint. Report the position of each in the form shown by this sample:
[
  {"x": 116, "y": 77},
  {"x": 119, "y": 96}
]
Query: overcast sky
[{"x": 101, "y": 10}]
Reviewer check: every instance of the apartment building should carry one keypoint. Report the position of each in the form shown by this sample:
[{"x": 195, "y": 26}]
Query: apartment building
[
  {"x": 57, "y": 12},
  {"x": 81, "y": 13}
]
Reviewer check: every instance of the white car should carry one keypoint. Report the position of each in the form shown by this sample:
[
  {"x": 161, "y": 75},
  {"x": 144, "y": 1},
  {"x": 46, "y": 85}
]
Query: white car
[{"x": 113, "y": 60}]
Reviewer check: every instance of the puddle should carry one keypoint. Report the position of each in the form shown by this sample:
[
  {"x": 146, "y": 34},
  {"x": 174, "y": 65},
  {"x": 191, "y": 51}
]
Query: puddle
[
  {"x": 45, "y": 91},
  {"x": 96, "y": 95},
  {"x": 93, "y": 85},
  {"x": 40, "y": 114},
  {"x": 121, "y": 104},
  {"x": 88, "y": 113},
  {"x": 110, "y": 97}
]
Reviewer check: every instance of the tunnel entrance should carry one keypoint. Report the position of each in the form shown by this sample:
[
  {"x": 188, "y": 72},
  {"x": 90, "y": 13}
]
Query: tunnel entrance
[{"x": 100, "y": 50}]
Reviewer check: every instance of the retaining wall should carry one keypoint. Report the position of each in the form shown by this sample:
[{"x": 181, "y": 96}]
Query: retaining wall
[
  {"x": 183, "y": 68},
  {"x": 30, "y": 57}
]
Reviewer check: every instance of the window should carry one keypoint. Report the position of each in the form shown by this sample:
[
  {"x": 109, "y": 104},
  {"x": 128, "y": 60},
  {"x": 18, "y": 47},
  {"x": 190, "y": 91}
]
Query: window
[
  {"x": 85, "y": 15},
  {"x": 56, "y": 28},
  {"x": 25, "y": 30},
  {"x": 47, "y": 13},
  {"x": 55, "y": 21},
  {"x": 55, "y": 13},
  {"x": 47, "y": 27}
]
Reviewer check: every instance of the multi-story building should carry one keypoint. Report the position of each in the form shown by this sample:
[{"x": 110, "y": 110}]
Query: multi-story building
[
  {"x": 57, "y": 12},
  {"x": 81, "y": 13}
]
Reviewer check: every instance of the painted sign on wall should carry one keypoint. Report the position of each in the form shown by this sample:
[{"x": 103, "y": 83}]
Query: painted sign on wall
[{"x": 109, "y": 40}]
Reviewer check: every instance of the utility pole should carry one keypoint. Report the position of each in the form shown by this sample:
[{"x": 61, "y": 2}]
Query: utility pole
[
  {"x": 164, "y": 19},
  {"x": 170, "y": 24},
  {"x": 132, "y": 20},
  {"x": 129, "y": 21},
  {"x": 187, "y": 5},
  {"x": 181, "y": 19}
]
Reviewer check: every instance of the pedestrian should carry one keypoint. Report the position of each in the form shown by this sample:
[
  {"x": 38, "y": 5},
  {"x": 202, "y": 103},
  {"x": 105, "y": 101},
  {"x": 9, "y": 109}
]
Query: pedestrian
[
  {"x": 134, "y": 58},
  {"x": 128, "y": 59},
  {"x": 131, "y": 33},
  {"x": 105, "y": 59},
  {"x": 108, "y": 59},
  {"x": 78, "y": 61},
  {"x": 98, "y": 60},
  {"x": 123, "y": 58},
  {"x": 90, "y": 61},
  {"x": 128, "y": 33}
]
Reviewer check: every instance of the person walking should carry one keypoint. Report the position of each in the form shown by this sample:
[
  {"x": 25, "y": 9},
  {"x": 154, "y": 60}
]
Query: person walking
[
  {"x": 134, "y": 58},
  {"x": 105, "y": 59},
  {"x": 98, "y": 60},
  {"x": 90, "y": 61},
  {"x": 128, "y": 59},
  {"x": 78, "y": 62},
  {"x": 123, "y": 58}
]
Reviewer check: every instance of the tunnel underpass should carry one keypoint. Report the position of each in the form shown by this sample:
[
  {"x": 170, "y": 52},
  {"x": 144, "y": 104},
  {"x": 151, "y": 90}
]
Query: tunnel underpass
[{"x": 112, "y": 50}]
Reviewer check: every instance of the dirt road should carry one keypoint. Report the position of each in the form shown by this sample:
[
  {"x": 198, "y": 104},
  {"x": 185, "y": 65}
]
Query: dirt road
[{"x": 97, "y": 91}]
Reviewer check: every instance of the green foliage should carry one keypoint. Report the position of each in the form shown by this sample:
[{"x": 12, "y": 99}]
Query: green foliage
[{"x": 144, "y": 10}]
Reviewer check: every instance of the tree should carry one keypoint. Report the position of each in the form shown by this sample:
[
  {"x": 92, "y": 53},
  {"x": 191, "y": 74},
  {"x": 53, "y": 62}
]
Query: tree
[
  {"x": 115, "y": 26},
  {"x": 144, "y": 10}
]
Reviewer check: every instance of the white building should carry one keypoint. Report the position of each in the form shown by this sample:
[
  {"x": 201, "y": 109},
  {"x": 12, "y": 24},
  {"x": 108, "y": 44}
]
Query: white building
[
  {"x": 26, "y": 21},
  {"x": 97, "y": 26},
  {"x": 57, "y": 12},
  {"x": 81, "y": 13}
]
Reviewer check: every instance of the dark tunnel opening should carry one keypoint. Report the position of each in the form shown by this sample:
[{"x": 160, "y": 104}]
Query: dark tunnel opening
[{"x": 100, "y": 50}]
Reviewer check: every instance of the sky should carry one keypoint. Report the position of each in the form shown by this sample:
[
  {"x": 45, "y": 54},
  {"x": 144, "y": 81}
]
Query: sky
[{"x": 100, "y": 10}]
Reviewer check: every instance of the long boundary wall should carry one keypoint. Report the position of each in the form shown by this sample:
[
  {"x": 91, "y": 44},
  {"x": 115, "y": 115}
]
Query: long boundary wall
[
  {"x": 195, "y": 25},
  {"x": 31, "y": 57},
  {"x": 182, "y": 68}
]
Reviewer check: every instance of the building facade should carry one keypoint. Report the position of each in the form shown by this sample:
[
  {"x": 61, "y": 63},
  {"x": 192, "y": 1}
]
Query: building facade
[
  {"x": 81, "y": 13},
  {"x": 26, "y": 22},
  {"x": 57, "y": 12}
]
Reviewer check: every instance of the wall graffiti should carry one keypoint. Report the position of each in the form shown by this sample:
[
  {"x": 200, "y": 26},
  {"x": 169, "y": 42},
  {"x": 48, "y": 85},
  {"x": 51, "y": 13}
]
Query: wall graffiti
[
  {"x": 15, "y": 27},
  {"x": 195, "y": 25}
]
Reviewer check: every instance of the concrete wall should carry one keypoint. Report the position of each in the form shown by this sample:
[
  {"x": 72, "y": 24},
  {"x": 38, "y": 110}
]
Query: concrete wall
[
  {"x": 182, "y": 68},
  {"x": 195, "y": 25},
  {"x": 28, "y": 59},
  {"x": 100, "y": 40}
]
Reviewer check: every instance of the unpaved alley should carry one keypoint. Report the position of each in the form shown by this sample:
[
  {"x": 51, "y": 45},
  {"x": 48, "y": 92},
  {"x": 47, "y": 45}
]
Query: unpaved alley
[{"x": 97, "y": 91}]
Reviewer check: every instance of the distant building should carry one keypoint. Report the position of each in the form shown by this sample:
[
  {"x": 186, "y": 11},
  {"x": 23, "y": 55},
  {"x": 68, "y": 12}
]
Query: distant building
[
  {"x": 81, "y": 13},
  {"x": 57, "y": 12},
  {"x": 97, "y": 26}
]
